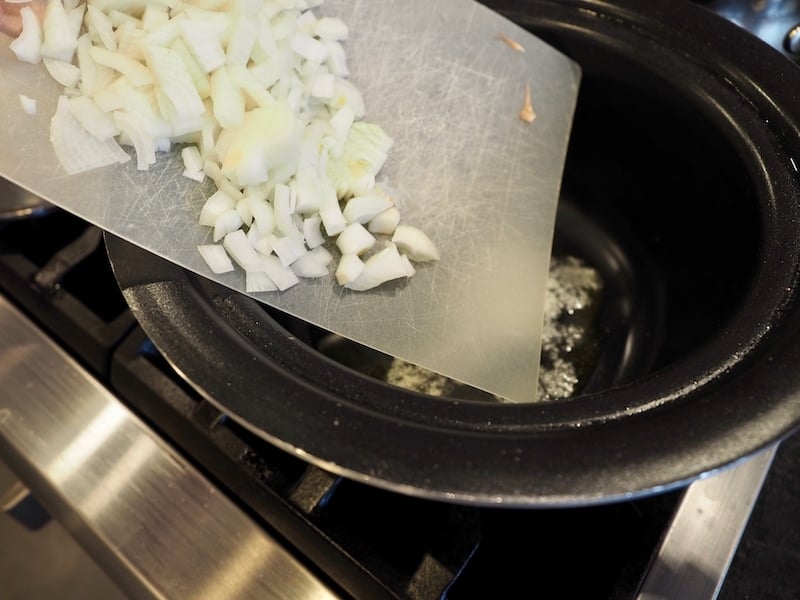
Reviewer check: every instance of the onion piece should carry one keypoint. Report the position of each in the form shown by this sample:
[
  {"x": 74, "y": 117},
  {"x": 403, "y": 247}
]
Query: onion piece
[
  {"x": 76, "y": 149},
  {"x": 283, "y": 276},
  {"x": 312, "y": 233},
  {"x": 309, "y": 266},
  {"x": 227, "y": 99},
  {"x": 218, "y": 203},
  {"x": 28, "y": 45},
  {"x": 415, "y": 243},
  {"x": 64, "y": 73},
  {"x": 364, "y": 153},
  {"x": 363, "y": 209},
  {"x": 99, "y": 24},
  {"x": 263, "y": 214},
  {"x": 216, "y": 258},
  {"x": 28, "y": 104},
  {"x": 243, "y": 38},
  {"x": 227, "y": 222},
  {"x": 288, "y": 249},
  {"x": 267, "y": 136},
  {"x": 379, "y": 268},
  {"x": 242, "y": 252},
  {"x": 355, "y": 239},
  {"x": 192, "y": 161},
  {"x": 331, "y": 28},
  {"x": 258, "y": 281},
  {"x": 59, "y": 41},
  {"x": 349, "y": 269},
  {"x": 134, "y": 71},
  {"x": 96, "y": 121},
  {"x": 386, "y": 222},
  {"x": 173, "y": 79},
  {"x": 135, "y": 126},
  {"x": 204, "y": 44}
]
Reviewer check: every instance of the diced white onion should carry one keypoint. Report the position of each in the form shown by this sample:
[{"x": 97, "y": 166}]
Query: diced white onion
[
  {"x": 76, "y": 149},
  {"x": 379, "y": 268},
  {"x": 386, "y": 222},
  {"x": 218, "y": 203},
  {"x": 415, "y": 243},
  {"x": 216, "y": 258},
  {"x": 227, "y": 222},
  {"x": 288, "y": 249},
  {"x": 134, "y": 71},
  {"x": 242, "y": 252},
  {"x": 256, "y": 95},
  {"x": 204, "y": 44},
  {"x": 331, "y": 28},
  {"x": 258, "y": 281},
  {"x": 282, "y": 275},
  {"x": 192, "y": 160},
  {"x": 28, "y": 45},
  {"x": 309, "y": 266},
  {"x": 100, "y": 23},
  {"x": 363, "y": 209},
  {"x": 97, "y": 122},
  {"x": 64, "y": 73},
  {"x": 312, "y": 233},
  {"x": 59, "y": 41},
  {"x": 28, "y": 104},
  {"x": 355, "y": 239},
  {"x": 349, "y": 269}
]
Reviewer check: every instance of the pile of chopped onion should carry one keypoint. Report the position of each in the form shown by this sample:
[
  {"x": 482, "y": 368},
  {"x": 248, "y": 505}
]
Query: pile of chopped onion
[{"x": 256, "y": 95}]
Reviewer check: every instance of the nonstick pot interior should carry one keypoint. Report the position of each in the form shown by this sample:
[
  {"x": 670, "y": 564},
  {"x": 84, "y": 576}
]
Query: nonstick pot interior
[{"x": 682, "y": 163}]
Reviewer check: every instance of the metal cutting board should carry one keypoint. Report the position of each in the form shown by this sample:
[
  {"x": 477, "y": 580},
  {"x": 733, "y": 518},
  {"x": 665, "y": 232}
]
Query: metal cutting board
[{"x": 480, "y": 181}]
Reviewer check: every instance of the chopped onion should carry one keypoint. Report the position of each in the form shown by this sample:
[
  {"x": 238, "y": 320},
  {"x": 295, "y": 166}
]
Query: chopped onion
[
  {"x": 97, "y": 122},
  {"x": 256, "y": 95},
  {"x": 216, "y": 258},
  {"x": 192, "y": 160},
  {"x": 64, "y": 73},
  {"x": 283, "y": 276},
  {"x": 379, "y": 268},
  {"x": 28, "y": 45},
  {"x": 309, "y": 265},
  {"x": 242, "y": 252},
  {"x": 416, "y": 244},
  {"x": 78, "y": 150},
  {"x": 349, "y": 269},
  {"x": 355, "y": 239},
  {"x": 288, "y": 249},
  {"x": 100, "y": 25},
  {"x": 258, "y": 281},
  {"x": 385, "y": 222},
  {"x": 331, "y": 28},
  {"x": 217, "y": 204},
  {"x": 312, "y": 233},
  {"x": 28, "y": 104},
  {"x": 59, "y": 40},
  {"x": 227, "y": 222},
  {"x": 363, "y": 209}
]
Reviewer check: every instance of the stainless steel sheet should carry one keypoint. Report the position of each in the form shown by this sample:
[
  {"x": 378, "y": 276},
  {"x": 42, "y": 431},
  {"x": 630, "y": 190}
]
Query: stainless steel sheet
[{"x": 479, "y": 180}]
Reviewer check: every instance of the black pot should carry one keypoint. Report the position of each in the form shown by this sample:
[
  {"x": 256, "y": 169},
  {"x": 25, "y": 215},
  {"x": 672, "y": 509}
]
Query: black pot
[{"x": 683, "y": 159}]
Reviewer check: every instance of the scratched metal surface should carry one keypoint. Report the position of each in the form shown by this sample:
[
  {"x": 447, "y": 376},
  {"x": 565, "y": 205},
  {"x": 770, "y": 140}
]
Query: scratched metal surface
[{"x": 481, "y": 182}]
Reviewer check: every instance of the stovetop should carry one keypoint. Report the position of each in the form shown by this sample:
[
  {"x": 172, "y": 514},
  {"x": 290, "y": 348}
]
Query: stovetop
[{"x": 368, "y": 543}]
